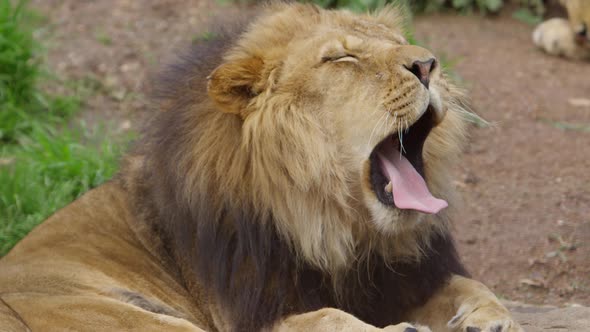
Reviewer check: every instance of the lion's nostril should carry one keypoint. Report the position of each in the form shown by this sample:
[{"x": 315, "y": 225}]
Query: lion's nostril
[{"x": 422, "y": 70}]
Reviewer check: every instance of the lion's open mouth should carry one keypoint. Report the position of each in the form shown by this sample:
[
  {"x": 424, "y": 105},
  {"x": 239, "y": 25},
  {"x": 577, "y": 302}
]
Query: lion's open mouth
[{"x": 397, "y": 169}]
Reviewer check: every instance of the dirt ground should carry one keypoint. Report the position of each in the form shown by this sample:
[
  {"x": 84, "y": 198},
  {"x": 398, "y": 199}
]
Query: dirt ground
[{"x": 525, "y": 230}]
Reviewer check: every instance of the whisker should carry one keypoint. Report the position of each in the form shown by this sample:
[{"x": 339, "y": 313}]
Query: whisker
[
  {"x": 400, "y": 135},
  {"x": 374, "y": 128},
  {"x": 374, "y": 111},
  {"x": 472, "y": 117},
  {"x": 383, "y": 122}
]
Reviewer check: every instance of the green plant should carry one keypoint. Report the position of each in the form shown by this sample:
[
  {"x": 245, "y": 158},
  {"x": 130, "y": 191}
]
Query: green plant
[
  {"x": 484, "y": 6},
  {"x": 45, "y": 162},
  {"x": 103, "y": 38},
  {"x": 18, "y": 68},
  {"x": 527, "y": 16},
  {"x": 45, "y": 171},
  {"x": 21, "y": 104},
  {"x": 566, "y": 126},
  {"x": 535, "y": 7},
  {"x": 204, "y": 37}
]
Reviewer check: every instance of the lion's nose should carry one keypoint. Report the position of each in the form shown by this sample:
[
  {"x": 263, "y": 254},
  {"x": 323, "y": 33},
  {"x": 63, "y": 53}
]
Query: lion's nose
[{"x": 422, "y": 70}]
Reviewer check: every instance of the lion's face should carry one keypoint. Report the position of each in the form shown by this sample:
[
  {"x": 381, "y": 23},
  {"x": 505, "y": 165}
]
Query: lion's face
[
  {"x": 379, "y": 97},
  {"x": 338, "y": 110}
]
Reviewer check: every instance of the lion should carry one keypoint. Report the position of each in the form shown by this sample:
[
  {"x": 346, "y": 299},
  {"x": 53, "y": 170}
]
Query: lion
[
  {"x": 567, "y": 38},
  {"x": 295, "y": 177}
]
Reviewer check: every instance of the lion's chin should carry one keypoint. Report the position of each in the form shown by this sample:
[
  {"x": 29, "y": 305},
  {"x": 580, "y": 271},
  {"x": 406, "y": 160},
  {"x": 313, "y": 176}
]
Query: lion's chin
[{"x": 397, "y": 168}]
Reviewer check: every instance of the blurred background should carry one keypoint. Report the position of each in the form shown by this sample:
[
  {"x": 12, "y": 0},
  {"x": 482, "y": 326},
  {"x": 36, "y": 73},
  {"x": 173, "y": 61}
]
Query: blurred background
[{"x": 73, "y": 74}]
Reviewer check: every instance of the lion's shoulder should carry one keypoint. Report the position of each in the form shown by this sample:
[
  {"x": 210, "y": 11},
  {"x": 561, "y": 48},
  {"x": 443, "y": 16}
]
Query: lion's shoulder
[{"x": 93, "y": 257}]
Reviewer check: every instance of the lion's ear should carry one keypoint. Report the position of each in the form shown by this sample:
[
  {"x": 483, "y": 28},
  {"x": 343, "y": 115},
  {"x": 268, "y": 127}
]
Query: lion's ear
[{"x": 234, "y": 83}]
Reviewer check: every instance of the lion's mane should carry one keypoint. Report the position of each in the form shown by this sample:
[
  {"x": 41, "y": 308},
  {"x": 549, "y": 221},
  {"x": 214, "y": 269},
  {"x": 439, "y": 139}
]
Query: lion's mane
[{"x": 211, "y": 195}]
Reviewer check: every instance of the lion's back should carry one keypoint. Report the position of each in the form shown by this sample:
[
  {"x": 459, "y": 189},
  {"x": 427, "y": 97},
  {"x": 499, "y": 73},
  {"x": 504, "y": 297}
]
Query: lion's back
[{"x": 84, "y": 268}]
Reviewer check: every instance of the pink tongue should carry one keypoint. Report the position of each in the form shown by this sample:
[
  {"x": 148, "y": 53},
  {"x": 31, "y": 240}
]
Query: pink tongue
[{"x": 409, "y": 188}]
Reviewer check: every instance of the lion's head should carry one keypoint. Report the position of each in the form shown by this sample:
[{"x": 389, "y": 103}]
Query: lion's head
[
  {"x": 330, "y": 107},
  {"x": 286, "y": 138}
]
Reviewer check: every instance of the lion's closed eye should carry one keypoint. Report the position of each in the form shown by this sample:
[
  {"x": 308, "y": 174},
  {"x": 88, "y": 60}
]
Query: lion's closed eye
[{"x": 340, "y": 58}]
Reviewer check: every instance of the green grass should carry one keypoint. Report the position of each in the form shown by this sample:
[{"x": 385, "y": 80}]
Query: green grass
[
  {"x": 565, "y": 126},
  {"x": 527, "y": 16},
  {"x": 18, "y": 70},
  {"x": 21, "y": 104},
  {"x": 103, "y": 38},
  {"x": 205, "y": 36},
  {"x": 44, "y": 163},
  {"x": 46, "y": 170}
]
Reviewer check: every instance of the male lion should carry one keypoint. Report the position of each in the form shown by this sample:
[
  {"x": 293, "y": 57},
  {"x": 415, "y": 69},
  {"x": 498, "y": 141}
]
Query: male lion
[
  {"x": 288, "y": 183},
  {"x": 571, "y": 38}
]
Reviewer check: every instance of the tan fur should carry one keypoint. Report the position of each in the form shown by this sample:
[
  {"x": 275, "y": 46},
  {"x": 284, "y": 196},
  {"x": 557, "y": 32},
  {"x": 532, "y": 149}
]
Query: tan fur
[
  {"x": 65, "y": 275},
  {"x": 282, "y": 130},
  {"x": 563, "y": 37},
  {"x": 331, "y": 320}
]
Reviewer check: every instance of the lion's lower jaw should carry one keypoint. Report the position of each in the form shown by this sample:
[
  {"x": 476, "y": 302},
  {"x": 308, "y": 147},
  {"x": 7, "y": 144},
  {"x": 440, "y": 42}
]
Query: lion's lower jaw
[{"x": 390, "y": 221}]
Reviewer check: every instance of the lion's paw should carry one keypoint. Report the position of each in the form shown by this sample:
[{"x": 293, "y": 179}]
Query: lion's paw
[
  {"x": 490, "y": 318},
  {"x": 330, "y": 319},
  {"x": 406, "y": 327}
]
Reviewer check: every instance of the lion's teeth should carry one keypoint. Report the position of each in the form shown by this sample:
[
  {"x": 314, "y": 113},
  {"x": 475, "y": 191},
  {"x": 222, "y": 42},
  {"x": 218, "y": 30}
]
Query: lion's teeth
[{"x": 389, "y": 187}]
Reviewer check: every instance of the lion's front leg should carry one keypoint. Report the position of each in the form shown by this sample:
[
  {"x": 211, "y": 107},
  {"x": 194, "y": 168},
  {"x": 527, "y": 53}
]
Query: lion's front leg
[
  {"x": 328, "y": 320},
  {"x": 466, "y": 305}
]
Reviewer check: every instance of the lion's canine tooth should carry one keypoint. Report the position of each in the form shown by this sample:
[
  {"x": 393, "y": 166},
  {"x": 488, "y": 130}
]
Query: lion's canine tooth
[{"x": 389, "y": 187}]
